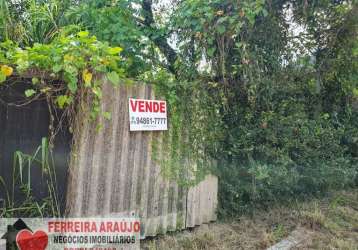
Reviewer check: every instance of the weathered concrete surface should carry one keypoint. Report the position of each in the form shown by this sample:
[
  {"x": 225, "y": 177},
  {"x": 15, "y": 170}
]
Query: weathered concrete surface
[{"x": 113, "y": 171}]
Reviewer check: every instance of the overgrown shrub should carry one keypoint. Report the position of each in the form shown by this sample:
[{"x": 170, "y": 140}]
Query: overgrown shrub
[
  {"x": 285, "y": 157},
  {"x": 286, "y": 151}
]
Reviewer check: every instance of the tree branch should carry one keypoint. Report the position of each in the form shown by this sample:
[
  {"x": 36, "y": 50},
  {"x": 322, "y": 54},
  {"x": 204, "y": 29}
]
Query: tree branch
[{"x": 160, "y": 41}]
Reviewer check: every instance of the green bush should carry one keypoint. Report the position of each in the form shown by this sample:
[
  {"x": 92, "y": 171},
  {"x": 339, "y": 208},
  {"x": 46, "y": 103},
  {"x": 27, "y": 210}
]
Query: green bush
[{"x": 275, "y": 157}]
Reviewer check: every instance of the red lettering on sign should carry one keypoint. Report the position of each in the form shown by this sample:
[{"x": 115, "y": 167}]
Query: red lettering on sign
[
  {"x": 155, "y": 107},
  {"x": 147, "y": 106},
  {"x": 133, "y": 105},
  {"x": 162, "y": 107},
  {"x": 141, "y": 106}
]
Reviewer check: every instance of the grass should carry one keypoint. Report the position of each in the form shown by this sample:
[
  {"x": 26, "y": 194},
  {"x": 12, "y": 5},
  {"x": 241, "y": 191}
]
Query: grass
[
  {"x": 29, "y": 205},
  {"x": 328, "y": 223}
]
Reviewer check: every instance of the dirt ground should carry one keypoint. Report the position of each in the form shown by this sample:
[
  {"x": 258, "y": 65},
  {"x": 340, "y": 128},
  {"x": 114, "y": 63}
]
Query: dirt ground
[{"x": 329, "y": 223}]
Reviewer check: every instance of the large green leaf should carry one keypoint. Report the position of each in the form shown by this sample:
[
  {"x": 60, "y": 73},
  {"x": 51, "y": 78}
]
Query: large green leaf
[{"x": 113, "y": 77}]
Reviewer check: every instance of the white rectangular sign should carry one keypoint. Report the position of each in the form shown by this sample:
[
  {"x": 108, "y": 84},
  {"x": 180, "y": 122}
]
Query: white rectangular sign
[{"x": 147, "y": 115}]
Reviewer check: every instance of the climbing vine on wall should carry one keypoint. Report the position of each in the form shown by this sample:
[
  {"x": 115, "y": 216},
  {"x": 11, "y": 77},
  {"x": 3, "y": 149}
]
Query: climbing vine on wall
[{"x": 63, "y": 69}]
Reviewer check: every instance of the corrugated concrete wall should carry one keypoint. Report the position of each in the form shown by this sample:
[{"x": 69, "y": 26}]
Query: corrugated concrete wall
[{"x": 113, "y": 172}]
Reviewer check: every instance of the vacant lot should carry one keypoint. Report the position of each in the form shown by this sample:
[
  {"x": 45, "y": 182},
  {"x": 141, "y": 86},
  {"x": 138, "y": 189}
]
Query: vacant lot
[{"x": 329, "y": 223}]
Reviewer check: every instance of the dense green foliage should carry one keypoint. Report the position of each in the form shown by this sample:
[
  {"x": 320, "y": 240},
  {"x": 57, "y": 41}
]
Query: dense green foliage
[
  {"x": 267, "y": 90},
  {"x": 282, "y": 120},
  {"x": 63, "y": 69}
]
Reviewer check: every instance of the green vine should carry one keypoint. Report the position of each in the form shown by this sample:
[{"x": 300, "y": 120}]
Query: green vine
[
  {"x": 64, "y": 68},
  {"x": 182, "y": 158}
]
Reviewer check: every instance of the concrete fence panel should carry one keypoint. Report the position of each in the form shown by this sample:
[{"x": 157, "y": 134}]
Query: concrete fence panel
[{"x": 112, "y": 171}]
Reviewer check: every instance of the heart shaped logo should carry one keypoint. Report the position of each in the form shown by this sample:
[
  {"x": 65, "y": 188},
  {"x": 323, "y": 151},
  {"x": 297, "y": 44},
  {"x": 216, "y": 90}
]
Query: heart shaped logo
[{"x": 26, "y": 240}]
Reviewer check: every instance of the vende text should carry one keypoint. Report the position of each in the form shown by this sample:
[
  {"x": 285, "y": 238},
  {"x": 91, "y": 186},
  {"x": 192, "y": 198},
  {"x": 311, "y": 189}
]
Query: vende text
[{"x": 147, "y": 106}]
